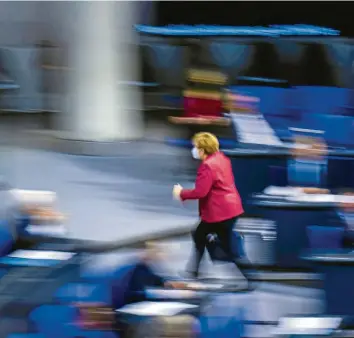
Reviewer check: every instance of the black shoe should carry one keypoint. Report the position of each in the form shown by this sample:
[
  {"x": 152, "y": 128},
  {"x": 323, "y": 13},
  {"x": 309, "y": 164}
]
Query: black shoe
[
  {"x": 243, "y": 263},
  {"x": 189, "y": 274}
]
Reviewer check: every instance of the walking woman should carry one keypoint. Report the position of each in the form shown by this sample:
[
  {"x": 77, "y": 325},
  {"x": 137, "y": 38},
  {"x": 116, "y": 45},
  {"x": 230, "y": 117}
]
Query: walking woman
[{"x": 219, "y": 201}]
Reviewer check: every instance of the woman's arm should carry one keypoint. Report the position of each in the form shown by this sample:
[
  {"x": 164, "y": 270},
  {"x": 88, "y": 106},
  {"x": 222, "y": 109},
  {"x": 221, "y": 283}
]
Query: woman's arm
[{"x": 203, "y": 185}]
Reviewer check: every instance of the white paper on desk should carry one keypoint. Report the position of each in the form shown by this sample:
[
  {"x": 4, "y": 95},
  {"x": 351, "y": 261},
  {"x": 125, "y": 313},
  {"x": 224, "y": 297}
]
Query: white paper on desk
[
  {"x": 155, "y": 308},
  {"x": 344, "y": 199},
  {"x": 313, "y": 198},
  {"x": 49, "y": 230},
  {"x": 295, "y": 146},
  {"x": 282, "y": 191},
  {"x": 171, "y": 294},
  {"x": 203, "y": 286},
  {"x": 40, "y": 254},
  {"x": 34, "y": 197}
]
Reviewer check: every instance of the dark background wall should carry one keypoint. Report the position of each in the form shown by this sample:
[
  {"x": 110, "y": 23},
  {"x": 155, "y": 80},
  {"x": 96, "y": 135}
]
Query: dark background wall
[{"x": 331, "y": 14}]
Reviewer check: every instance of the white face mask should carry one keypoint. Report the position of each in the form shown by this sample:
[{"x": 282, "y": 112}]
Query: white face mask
[{"x": 195, "y": 153}]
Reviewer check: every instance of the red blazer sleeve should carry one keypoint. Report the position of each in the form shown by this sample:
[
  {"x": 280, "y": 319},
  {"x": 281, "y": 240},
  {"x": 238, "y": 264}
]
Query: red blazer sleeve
[{"x": 203, "y": 185}]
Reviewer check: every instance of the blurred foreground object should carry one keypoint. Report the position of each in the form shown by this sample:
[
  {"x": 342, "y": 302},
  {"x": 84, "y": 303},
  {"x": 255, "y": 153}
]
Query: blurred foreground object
[
  {"x": 34, "y": 197},
  {"x": 203, "y": 103},
  {"x": 183, "y": 326},
  {"x": 308, "y": 326},
  {"x": 95, "y": 316},
  {"x": 249, "y": 124},
  {"x": 38, "y": 205},
  {"x": 308, "y": 168}
]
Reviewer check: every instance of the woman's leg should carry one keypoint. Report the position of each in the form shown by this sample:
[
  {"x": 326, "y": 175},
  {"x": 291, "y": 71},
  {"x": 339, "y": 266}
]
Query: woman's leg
[
  {"x": 224, "y": 230},
  {"x": 199, "y": 239}
]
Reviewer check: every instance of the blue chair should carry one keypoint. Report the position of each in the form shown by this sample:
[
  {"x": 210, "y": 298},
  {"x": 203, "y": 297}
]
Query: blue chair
[
  {"x": 339, "y": 130},
  {"x": 314, "y": 121},
  {"x": 307, "y": 173},
  {"x": 322, "y": 99},
  {"x": 6, "y": 240},
  {"x": 55, "y": 321},
  {"x": 325, "y": 237},
  {"x": 216, "y": 251},
  {"x": 223, "y": 319},
  {"x": 84, "y": 292},
  {"x": 115, "y": 281},
  {"x": 269, "y": 96},
  {"x": 120, "y": 285},
  {"x": 22, "y": 222},
  {"x": 60, "y": 321}
]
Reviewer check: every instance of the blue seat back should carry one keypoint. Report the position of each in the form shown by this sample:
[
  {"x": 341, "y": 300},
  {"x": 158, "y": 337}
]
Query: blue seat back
[
  {"x": 322, "y": 99},
  {"x": 325, "y": 237},
  {"x": 307, "y": 173},
  {"x": 270, "y": 97},
  {"x": 339, "y": 130},
  {"x": 314, "y": 121},
  {"x": 55, "y": 321},
  {"x": 60, "y": 321},
  {"x": 116, "y": 282},
  {"x": 6, "y": 239},
  {"x": 22, "y": 222},
  {"x": 84, "y": 292},
  {"x": 120, "y": 285},
  {"x": 224, "y": 318}
]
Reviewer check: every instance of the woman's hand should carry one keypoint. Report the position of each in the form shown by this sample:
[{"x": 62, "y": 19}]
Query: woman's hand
[
  {"x": 175, "y": 285},
  {"x": 315, "y": 191},
  {"x": 176, "y": 192}
]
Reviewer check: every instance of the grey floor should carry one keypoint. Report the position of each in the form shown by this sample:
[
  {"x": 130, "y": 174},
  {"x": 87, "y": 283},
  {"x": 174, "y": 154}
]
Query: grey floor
[
  {"x": 112, "y": 198},
  {"x": 106, "y": 198}
]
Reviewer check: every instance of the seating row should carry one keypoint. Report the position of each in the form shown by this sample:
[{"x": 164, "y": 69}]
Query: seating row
[
  {"x": 304, "y": 99},
  {"x": 327, "y": 109}
]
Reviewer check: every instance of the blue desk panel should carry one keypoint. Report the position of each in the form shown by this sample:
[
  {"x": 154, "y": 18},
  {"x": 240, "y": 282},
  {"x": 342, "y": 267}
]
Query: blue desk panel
[
  {"x": 337, "y": 268},
  {"x": 292, "y": 220}
]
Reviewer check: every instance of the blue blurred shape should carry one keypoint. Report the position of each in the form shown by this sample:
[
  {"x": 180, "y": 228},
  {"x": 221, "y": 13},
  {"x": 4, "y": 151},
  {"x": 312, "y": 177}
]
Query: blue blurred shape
[
  {"x": 339, "y": 130},
  {"x": 325, "y": 237},
  {"x": 173, "y": 99},
  {"x": 214, "y": 30},
  {"x": 6, "y": 239},
  {"x": 61, "y": 321},
  {"x": 84, "y": 292},
  {"x": 322, "y": 99},
  {"x": 278, "y": 176},
  {"x": 223, "y": 318},
  {"x": 26, "y": 335},
  {"x": 55, "y": 321}
]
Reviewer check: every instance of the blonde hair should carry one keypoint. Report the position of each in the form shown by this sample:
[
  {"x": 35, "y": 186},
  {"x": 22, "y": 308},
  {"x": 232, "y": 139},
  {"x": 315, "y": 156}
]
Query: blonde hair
[{"x": 207, "y": 142}]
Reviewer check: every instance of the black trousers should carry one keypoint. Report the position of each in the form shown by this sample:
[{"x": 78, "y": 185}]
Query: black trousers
[{"x": 222, "y": 229}]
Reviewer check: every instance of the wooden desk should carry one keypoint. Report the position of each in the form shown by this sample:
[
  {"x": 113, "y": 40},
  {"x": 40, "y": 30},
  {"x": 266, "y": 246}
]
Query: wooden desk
[{"x": 201, "y": 121}]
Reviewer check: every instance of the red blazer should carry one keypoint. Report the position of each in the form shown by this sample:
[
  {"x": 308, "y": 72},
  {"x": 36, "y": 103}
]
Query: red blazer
[{"x": 215, "y": 189}]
